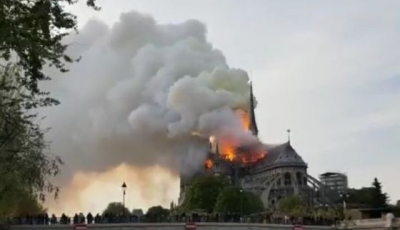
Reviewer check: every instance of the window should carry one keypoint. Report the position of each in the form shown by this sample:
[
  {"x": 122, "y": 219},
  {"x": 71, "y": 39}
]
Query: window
[
  {"x": 298, "y": 178},
  {"x": 278, "y": 182},
  {"x": 288, "y": 179}
]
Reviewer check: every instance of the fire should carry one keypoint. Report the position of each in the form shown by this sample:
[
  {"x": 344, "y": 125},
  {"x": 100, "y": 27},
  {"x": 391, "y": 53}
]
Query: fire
[
  {"x": 228, "y": 147},
  {"x": 209, "y": 163},
  {"x": 246, "y": 154},
  {"x": 228, "y": 151},
  {"x": 250, "y": 158},
  {"x": 231, "y": 150},
  {"x": 245, "y": 118}
]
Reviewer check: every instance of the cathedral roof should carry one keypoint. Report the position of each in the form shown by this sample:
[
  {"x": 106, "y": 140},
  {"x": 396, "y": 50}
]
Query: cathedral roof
[{"x": 280, "y": 156}]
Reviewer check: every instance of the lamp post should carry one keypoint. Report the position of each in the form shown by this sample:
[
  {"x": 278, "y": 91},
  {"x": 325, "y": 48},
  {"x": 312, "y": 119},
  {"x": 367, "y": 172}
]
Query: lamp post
[
  {"x": 124, "y": 187},
  {"x": 344, "y": 196},
  {"x": 241, "y": 204}
]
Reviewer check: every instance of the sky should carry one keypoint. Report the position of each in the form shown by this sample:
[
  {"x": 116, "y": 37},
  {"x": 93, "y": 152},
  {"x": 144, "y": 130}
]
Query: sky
[{"x": 327, "y": 70}]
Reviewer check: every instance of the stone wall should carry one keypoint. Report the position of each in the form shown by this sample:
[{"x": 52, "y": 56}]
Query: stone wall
[{"x": 378, "y": 223}]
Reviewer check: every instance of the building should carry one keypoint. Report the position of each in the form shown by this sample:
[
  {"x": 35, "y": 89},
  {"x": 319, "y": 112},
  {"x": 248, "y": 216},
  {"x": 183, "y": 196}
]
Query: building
[
  {"x": 277, "y": 173},
  {"x": 335, "y": 181},
  {"x": 371, "y": 213}
]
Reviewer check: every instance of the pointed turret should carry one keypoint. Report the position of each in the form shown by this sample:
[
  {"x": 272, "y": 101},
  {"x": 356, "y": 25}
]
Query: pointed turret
[
  {"x": 216, "y": 149},
  {"x": 253, "y": 124}
]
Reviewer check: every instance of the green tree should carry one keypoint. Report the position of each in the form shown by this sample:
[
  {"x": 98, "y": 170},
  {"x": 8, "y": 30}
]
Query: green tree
[
  {"x": 360, "y": 197},
  {"x": 157, "y": 214},
  {"x": 292, "y": 205},
  {"x": 19, "y": 204},
  {"x": 253, "y": 203},
  {"x": 379, "y": 199},
  {"x": 231, "y": 199},
  {"x": 203, "y": 193},
  {"x": 368, "y": 197},
  {"x": 116, "y": 208},
  {"x": 31, "y": 35},
  {"x": 25, "y": 164}
]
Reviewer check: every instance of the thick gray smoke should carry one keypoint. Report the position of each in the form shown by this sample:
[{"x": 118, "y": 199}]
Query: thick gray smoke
[{"x": 139, "y": 93}]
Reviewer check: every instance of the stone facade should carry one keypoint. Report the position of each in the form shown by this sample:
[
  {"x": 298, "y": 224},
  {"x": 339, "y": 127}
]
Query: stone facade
[{"x": 281, "y": 173}]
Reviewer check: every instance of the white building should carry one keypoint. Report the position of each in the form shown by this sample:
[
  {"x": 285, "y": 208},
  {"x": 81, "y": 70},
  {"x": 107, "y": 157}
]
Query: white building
[{"x": 335, "y": 181}]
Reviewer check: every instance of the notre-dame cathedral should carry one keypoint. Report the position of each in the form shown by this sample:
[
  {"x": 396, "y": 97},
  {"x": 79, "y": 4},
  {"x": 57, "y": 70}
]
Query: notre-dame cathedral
[{"x": 280, "y": 173}]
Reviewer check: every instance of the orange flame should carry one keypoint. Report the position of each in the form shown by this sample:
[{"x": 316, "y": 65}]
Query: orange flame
[
  {"x": 209, "y": 163},
  {"x": 228, "y": 147},
  {"x": 245, "y": 118},
  {"x": 250, "y": 158},
  {"x": 228, "y": 151}
]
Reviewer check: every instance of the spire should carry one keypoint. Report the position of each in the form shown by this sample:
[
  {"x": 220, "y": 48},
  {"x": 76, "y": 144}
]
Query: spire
[
  {"x": 217, "y": 149},
  {"x": 253, "y": 124},
  {"x": 288, "y": 131}
]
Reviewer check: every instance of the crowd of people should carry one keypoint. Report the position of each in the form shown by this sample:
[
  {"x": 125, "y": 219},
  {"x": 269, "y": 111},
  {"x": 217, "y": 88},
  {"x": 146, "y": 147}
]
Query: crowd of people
[{"x": 107, "y": 218}]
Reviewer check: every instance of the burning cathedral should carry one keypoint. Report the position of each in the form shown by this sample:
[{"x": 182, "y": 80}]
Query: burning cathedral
[{"x": 272, "y": 172}]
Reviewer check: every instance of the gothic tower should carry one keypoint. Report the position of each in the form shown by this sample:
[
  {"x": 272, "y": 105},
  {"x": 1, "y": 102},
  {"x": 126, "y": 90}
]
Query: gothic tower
[{"x": 253, "y": 124}]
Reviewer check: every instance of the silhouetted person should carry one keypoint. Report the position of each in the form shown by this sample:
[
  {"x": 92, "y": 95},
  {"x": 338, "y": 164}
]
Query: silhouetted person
[
  {"x": 97, "y": 219},
  {"x": 46, "y": 219},
  {"x": 63, "y": 219},
  {"x": 53, "y": 219},
  {"x": 89, "y": 218},
  {"x": 81, "y": 218},
  {"x": 106, "y": 218},
  {"x": 76, "y": 219}
]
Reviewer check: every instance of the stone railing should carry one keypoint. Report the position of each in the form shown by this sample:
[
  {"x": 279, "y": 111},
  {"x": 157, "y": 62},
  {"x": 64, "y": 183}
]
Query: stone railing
[
  {"x": 170, "y": 226},
  {"x": 380, "y": 223}
]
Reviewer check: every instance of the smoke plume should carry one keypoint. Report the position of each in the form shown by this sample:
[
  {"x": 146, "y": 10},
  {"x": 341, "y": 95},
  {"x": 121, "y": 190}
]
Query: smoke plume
[{"x": 134, "y": 101}]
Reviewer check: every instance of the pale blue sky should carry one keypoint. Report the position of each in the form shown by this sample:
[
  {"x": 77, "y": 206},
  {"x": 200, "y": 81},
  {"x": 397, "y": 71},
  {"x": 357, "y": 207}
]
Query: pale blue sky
[{"x": 328, "y": 70}]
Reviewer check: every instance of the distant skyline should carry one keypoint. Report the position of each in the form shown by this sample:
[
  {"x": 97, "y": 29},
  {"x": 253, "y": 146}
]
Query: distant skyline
[{"x": 327, "y": 70}]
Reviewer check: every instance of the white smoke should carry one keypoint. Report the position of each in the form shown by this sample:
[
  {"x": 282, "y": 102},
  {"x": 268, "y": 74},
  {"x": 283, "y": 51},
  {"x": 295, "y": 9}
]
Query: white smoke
[{"x": 139, "y": 92}]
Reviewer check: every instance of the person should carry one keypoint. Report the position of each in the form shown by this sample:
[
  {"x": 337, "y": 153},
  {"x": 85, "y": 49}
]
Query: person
[
  {"x": 89, "y": 218},
  {"x": 39, "y": 219},
  {"x": 76, "y": 218},
  {"x": 53, "y": 219},
  {"x": 46, "y": 218},
  {"x": 81, "y": 218},
  {"x": 64, "y": 219},
  {"x": 97, "y": 219},
  {"x": 106, "y": 218}
]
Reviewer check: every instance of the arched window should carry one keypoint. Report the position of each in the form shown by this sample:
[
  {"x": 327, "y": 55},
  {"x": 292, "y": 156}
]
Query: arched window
[
  {"x": 278, "y": 182},
  {"x": 288, "y": 179},
  {"x": 298, "y": 178}
]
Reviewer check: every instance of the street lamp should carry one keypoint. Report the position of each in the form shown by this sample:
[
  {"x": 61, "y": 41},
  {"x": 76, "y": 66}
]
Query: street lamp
[
  {"x": 241, "y": 203},
  {"x": 124, "y": 187},
  {"x": 344, "y": 196}
]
